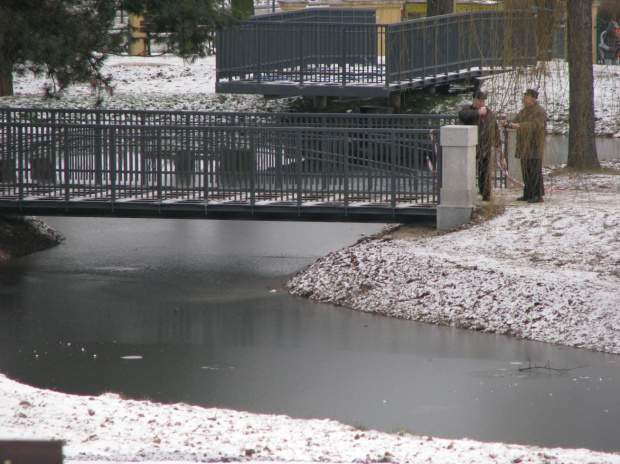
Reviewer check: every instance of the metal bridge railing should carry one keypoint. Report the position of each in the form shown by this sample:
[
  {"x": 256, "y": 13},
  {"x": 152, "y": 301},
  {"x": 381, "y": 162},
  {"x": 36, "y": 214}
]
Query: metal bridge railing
[
  {"x": 111, "y": 164},
  {"x": 362, "y": 54},
  {"x": 451, "y": 44},
  {"x": 201, "y": 118}
]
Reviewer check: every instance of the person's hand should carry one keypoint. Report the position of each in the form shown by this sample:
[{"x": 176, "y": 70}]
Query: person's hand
[
  {"x": 482, "y": 111},
  {"x": 504, "y": 122},
  {"x": 514, "y": 126}
]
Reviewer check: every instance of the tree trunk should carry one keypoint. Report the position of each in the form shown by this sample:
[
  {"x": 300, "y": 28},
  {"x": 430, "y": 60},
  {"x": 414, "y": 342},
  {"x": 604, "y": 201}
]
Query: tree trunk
[
  {"x": 581, "y": 144},
  {"x": 6, "y": 78},
  {"x": 440, "y": 7}
]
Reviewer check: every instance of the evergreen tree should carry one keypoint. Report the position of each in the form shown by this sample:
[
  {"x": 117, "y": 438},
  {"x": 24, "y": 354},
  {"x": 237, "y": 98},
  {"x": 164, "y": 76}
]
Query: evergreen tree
[
  {"x": 185, "y": 27},
  {"x": 68, "y": 40},
  {"x": 65, "y": 39},
  {"x": 244, "y": 7}
]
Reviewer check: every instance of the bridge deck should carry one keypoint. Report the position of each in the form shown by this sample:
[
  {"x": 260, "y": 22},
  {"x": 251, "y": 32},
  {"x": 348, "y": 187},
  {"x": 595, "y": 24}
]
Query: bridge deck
[
  {"x": 352, "y": 89},
  {"x": 53, "y": 201}
]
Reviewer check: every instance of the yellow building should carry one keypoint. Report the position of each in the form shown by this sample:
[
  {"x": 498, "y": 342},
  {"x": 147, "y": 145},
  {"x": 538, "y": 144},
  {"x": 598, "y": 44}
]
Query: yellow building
[
  {"x": 414, "y": 9},
  {"x": 390, "y": 11},
  {"x": 138, "y": 44}
]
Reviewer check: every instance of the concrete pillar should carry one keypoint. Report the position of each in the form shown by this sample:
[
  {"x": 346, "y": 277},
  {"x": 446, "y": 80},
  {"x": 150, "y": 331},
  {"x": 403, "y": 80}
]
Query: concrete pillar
[{"x": 458, "y": 193}]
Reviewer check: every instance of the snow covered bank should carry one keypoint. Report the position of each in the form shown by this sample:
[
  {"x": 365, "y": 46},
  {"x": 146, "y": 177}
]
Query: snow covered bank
[
  {"x": 110, "y": 429},
  {"x": 545, "y": 272}
]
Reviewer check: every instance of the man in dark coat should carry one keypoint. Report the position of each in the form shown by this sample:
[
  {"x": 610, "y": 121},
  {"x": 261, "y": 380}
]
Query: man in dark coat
[
  {"x": 477, "y": 114},
  {"x": 531, "y": 126}
]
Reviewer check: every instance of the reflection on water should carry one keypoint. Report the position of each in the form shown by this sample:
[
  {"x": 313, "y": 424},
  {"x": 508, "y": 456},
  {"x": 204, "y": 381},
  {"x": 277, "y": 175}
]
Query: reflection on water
[{"x": 186, "y": 311}]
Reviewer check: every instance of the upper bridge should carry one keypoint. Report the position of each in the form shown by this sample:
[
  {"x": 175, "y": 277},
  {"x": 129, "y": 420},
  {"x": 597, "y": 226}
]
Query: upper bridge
[
  {"x": 331, "y": 52},
  {"x": 278, "y": 166}
]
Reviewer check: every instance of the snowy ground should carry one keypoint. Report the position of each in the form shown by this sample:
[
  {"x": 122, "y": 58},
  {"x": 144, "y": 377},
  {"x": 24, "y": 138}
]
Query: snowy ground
[
  {"x": 147, "y": 83},
  {"x": 546, "y": 272}
]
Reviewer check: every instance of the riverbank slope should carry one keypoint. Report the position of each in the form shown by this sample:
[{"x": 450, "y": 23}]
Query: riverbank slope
[
  {"x": 22, "y": 235},
  {"x": 547, "y": 272}
]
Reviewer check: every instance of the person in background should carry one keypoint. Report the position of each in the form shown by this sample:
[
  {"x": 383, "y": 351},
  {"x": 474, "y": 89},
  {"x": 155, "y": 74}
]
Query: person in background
[
  {"x": 618, "y": 45},
  {"x": 608, "y": 44},
  {"x": 477, "y": 114},
  {"x": 531, "y": 126}
]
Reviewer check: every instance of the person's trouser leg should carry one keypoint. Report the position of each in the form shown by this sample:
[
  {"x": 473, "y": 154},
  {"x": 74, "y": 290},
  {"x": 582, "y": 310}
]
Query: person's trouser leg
[
  {"x": 525, "y": 172},
  {"x": 484, "y": 177},
  {"x": 536, "y": 179}
]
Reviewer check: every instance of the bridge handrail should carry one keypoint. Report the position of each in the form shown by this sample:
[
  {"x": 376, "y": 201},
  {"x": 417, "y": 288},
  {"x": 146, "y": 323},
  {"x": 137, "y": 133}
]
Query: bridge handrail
[
  {"x": 9, "y": 113},
  {"x": 349, "y": 53},
  {"x": 331, "y": 129}
]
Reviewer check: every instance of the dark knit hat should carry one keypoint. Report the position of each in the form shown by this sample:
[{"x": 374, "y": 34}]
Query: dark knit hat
[
  {"x": 532, "y": 93},
  {"x": 480, "y": 95}
]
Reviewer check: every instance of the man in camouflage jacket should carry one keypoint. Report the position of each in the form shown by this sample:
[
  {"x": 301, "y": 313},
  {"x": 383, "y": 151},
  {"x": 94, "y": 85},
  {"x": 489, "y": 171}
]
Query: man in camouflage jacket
[{"x": 531, "y": 126}]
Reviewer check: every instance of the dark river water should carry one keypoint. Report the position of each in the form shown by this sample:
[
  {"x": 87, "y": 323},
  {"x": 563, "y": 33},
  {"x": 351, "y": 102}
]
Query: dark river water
[{"x": 194, "y": 311}]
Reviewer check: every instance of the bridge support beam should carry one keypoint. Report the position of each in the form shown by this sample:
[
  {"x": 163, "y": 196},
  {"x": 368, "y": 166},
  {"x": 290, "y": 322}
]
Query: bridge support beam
[{"x": 458, "y": 192}]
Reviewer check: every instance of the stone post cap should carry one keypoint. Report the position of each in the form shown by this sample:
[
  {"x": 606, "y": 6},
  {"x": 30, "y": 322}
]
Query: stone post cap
[{"x": 459, "y": 136}]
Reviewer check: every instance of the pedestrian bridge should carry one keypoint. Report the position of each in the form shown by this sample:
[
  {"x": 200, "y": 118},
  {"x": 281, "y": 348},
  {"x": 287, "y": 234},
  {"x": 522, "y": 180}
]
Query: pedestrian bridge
[
  {"x": 331, "y": 52},
  {"x": 267, "y": 166}
]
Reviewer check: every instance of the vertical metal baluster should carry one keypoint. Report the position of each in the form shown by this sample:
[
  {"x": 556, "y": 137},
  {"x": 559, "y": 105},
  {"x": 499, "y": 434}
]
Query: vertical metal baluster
[
  {"x": 22, "y": 163},
  {"x": 66, "y": 169},
  {"x": 159, "y": 166},
  {"x": 98, "y": 153},
  {"x": 205, "y": 166},
  {"x": 298, "y": 166},
  {"x": 393, "y": 160},
  {"x": 346, "y": 135},
  {"x": 439, "y": 169},
  {"x": 252, "y": 172},
  {"x": 112, "y": 164}
]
